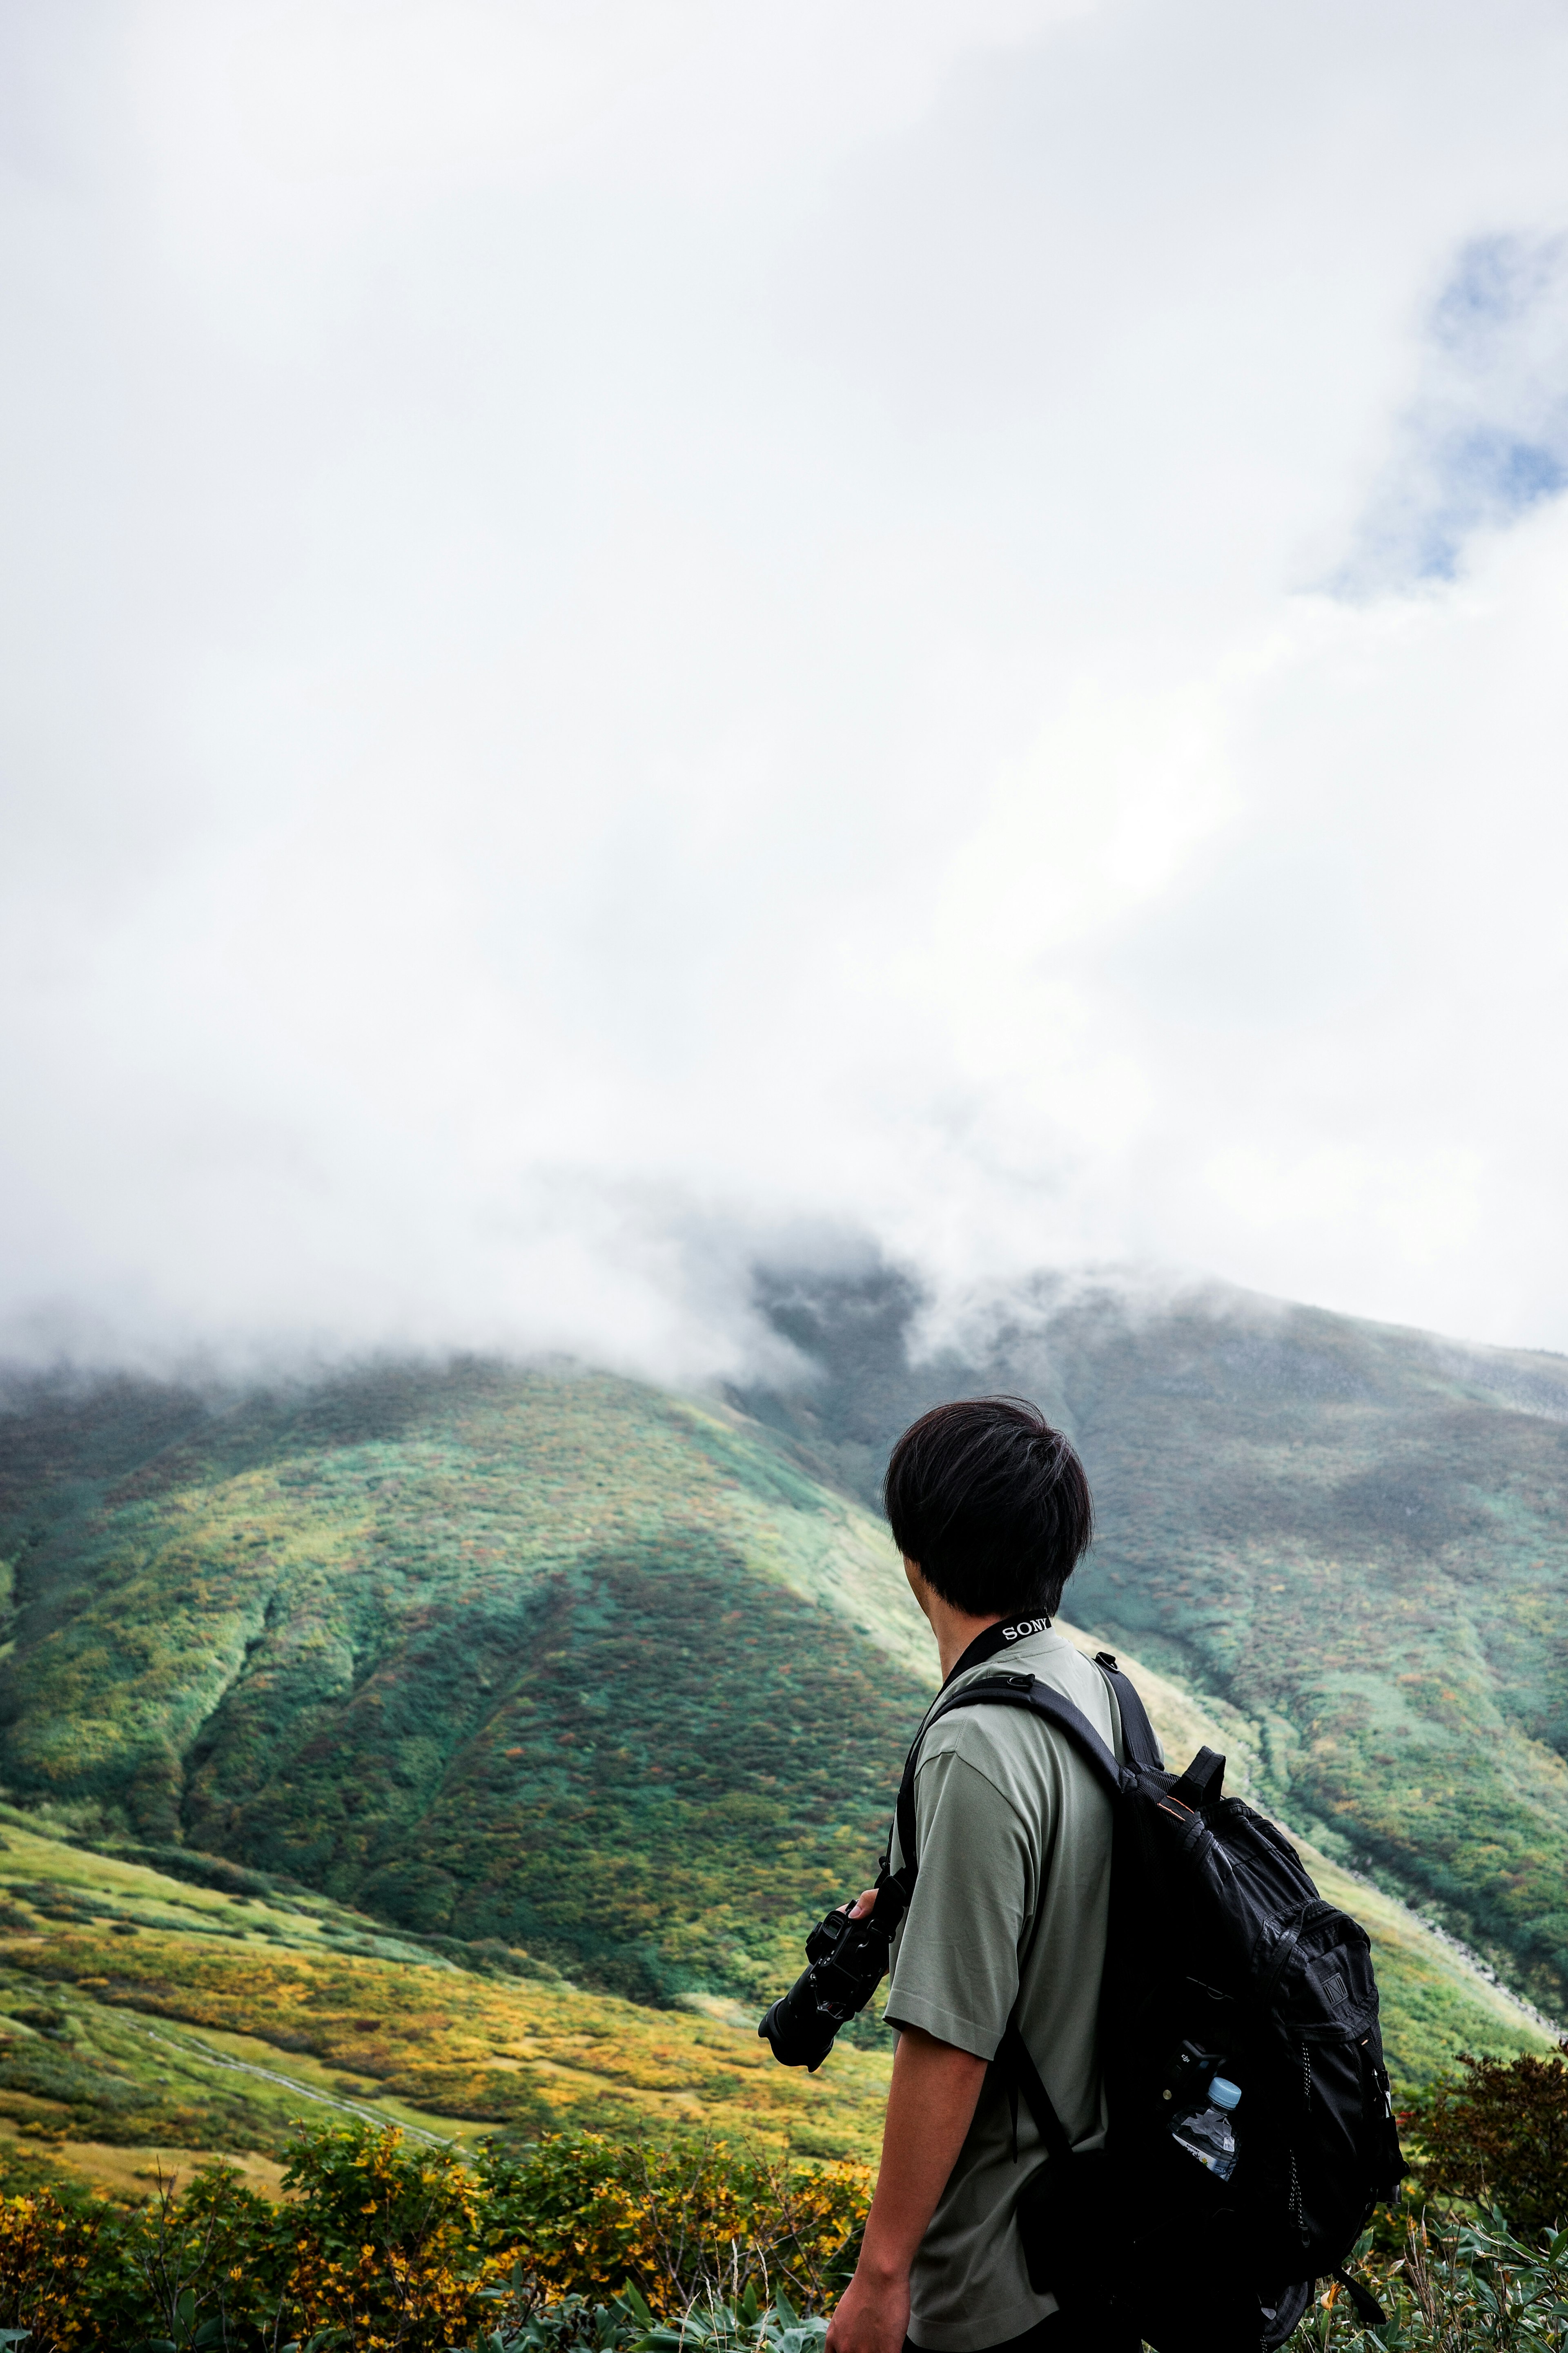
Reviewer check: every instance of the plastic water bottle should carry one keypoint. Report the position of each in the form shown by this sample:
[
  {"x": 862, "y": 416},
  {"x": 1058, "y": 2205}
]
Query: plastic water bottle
[{"x": 1209, "y": 2134}]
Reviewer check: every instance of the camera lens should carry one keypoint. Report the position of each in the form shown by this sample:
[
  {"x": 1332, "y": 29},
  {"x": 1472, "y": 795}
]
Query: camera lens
[{"x": 794, "y": 2027}]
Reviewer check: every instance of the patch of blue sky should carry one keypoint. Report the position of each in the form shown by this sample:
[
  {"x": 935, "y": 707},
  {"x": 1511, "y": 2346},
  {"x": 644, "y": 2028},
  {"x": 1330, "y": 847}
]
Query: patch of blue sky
[
  {"x": 1484, "y": 477},
  {"x": 1495, "y": 282},
  {"x": 1485, "y": 440}
]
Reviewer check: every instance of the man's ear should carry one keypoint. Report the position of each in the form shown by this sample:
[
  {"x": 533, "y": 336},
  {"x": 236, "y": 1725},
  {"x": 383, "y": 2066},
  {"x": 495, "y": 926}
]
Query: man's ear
[{"x": 918, "y": 1585}]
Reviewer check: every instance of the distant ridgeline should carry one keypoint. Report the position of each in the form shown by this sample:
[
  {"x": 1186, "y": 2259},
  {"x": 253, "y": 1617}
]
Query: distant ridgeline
[{"x": 623, "y": 1678}]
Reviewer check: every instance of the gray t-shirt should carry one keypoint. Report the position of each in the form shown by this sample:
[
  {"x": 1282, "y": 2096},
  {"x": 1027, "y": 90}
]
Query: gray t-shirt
[{"x": 1014, "y": 1859}]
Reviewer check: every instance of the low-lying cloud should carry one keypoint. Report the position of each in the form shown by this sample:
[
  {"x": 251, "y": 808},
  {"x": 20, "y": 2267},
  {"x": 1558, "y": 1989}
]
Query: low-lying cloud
[{"x": 633, "y": 632}]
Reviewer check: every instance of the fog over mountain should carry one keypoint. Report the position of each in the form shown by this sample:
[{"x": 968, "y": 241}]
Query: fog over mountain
[{"x": 639, "y": 636}]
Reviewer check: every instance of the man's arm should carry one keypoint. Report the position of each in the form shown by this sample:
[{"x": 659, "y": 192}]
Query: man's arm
[{"x": 931, "y": 2104}]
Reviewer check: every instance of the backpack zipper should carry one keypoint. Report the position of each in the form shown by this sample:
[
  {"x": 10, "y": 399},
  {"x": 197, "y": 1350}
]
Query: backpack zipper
[{"x": 1380, "y": 2080}]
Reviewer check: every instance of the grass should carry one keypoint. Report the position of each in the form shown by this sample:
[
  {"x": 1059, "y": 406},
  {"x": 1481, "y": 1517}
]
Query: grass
[
  {"x": 147, "y": 2022},
  {"x": 213, "y": 2027}
]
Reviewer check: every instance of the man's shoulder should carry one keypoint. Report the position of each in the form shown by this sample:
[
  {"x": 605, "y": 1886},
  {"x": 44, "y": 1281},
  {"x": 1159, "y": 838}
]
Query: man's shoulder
[
  {"x": 1051, "y": 1659},
  {"x": 1004, "y": 1741}
]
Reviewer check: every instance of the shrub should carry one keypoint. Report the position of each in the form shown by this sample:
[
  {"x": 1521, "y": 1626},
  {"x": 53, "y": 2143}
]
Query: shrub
[
  {"x": 46, "y": 2265},
  {"x": 699, "y": 2219},
  {"x": 574, "y": 2242},
  {"x": 1453, "y": 2292},
  {"x": 381, "y": 2244},
  {"x": 1499, "y": 2137}
]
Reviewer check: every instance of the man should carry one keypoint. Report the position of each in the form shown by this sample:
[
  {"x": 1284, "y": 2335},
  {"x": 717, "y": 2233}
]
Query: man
[{"x": 990, "y": 1510}]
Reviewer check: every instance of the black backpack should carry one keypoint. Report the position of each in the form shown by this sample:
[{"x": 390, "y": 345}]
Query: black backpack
[{"x": 1221, "y": 1959}]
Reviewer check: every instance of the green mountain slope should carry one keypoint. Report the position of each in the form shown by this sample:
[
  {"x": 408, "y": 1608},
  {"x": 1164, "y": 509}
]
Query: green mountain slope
[
  {"x": 1355, "y": 1535},
  {"x": 145, "y": 2022},
  {"x": 149, "y": 2022},
  {"x": 550, "y": 1657}
]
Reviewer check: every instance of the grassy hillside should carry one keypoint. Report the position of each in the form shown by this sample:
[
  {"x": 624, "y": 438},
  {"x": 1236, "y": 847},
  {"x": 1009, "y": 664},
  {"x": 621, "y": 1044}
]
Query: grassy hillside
[
  {"x": 561, "y": 1660},
  {"x": 509, "y": 1693},
  {"x": 147, "y": 2021},
  {"x": 1355, "y": 1535},
  {"x": 144, "y": 2021}
]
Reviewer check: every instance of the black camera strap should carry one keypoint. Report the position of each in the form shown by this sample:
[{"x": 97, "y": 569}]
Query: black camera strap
[{"x": 992, "y": 1638}]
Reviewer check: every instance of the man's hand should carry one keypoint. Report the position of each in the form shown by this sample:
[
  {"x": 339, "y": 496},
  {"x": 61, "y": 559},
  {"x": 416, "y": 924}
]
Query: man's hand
[
  {"x": 872, "y": 2315},
  {"x": 930, "y": 2108}
]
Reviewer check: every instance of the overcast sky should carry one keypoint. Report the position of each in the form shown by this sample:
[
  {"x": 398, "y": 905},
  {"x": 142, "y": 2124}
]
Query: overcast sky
[{"x": 638, "y": 627}]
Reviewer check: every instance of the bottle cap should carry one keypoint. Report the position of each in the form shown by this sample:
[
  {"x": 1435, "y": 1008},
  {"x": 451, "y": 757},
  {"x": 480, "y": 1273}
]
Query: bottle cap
[{"x": 1223, "y": 2091}]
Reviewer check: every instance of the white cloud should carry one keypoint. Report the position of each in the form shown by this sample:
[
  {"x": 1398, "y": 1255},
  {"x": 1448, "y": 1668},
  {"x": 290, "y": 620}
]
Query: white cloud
[{"x": 628, "y": 626}]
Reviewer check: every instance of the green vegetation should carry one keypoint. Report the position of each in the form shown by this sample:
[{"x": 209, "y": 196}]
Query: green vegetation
[
  {"x": 1452, "y": 2288},
  {"x": 215, "y": 2025},
  {"x": 579, "y": 2241},
  {"x": 147, "y": 2021},
  {"x": 454, "y": 1759},
  {"x": 1352, "y": 1535},
  {"x": 381, "y": 2245},
  {"x": 1498, "y": 2136},
  {"x": 364, "y": 1718},
  {"x": 559, "y": 1660}
]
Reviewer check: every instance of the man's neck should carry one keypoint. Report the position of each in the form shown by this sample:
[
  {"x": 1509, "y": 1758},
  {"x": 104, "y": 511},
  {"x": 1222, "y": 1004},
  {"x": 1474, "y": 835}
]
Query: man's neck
[{"x": 954, "y": 1632}]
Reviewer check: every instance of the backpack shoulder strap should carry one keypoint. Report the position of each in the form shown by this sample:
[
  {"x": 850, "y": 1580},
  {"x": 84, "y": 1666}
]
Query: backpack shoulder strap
[
  {"x": 1137, "y": 1733},
  {"x": 1019, "y": 2073},
  {"x": 1005, "y": 1691}
]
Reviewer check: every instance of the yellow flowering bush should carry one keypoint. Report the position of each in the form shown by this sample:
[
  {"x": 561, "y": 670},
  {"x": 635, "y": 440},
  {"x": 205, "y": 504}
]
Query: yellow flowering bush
[
  {"x": 379, "y": 2247},
  {"x": 46, "y": 2250},
  {"x": 587, "y": 2215}
]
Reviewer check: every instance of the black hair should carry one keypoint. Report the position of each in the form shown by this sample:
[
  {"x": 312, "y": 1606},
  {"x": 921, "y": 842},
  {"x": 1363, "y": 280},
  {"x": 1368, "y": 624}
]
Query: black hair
[{"x": 991, "y": 1505}]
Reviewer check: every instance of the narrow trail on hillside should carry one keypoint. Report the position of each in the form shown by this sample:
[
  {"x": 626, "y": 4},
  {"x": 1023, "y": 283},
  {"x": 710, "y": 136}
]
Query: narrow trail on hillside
[{"x": 369, "y": 2116}]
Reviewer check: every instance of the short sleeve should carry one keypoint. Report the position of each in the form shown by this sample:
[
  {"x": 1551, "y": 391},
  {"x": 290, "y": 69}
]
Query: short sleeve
[{"x": 955, "y": 1968}]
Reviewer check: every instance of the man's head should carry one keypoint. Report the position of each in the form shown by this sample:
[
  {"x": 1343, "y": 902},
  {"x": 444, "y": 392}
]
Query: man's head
[{"x": 991, "y": 1504}]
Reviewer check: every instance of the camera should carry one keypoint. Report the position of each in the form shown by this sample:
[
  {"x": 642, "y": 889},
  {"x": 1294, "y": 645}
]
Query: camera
[{"x": 847, "y": 1960}]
